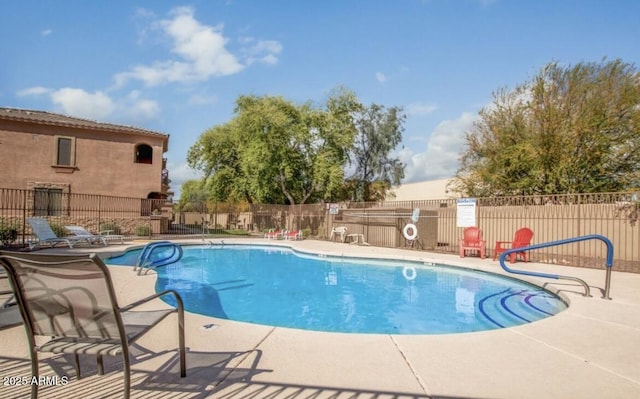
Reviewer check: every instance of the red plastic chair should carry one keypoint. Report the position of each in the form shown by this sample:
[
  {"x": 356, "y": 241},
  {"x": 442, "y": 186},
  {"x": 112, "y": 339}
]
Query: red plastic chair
[
  {"x": 522, "y": 238},
  {"x": 472, "y": 241},
  {"x": 274, "y": 234},
  {"x": 293, "y": 235}
]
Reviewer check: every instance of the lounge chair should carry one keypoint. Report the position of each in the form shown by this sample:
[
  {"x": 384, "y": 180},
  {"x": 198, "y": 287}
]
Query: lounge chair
[
  {"x": 46, "y": 235},
  {"x": 522, "y": 238},
  {"x": 109, "y": 235},
  {"x": 293, "y": 235},
  {"x": 80, "y": 231},
  {"x": 472, "y": 241},
  {"x": 273, "y": 234},
  {"x": 70, "y": 300},
  {"x": 340, "y": 230}
]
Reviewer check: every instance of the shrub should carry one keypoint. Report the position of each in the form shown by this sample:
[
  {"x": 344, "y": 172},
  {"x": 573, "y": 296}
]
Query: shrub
[
  {"x": 629, "y": 210},
  {"x": 8, "y": 234},
  {"x": 59, "y": 229},
  {"x": 235, "y": 232},
  {"x": 306, "y": 232},
  {"x": 115, "y": 229},
  {"x": 143, "y": 230}
]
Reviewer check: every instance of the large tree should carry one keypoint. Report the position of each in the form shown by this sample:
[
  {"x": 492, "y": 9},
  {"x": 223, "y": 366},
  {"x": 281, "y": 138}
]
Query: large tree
[
  {"x": 378, "y": 133},
  {"x": 275, "y": 151},
  {"x": 193, "y": 197},
  {"x": 570, "y": 129}
]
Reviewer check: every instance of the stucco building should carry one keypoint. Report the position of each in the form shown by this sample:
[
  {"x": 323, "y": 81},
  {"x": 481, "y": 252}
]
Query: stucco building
[
  {"x": 53, "y": 153},
  {"x": 425, "y": 190}
]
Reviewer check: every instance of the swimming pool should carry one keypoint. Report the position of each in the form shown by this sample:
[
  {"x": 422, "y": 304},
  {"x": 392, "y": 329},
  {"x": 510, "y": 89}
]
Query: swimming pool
[{"x": 281, "y": 287}]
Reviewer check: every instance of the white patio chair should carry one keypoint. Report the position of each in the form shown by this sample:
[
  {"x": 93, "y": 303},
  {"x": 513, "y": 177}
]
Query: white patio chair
[{"x": 341, "y": 230}]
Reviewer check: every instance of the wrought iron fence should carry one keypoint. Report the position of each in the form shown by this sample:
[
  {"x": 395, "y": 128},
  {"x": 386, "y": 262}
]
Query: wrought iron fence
[{"x": 551, "y": 217}]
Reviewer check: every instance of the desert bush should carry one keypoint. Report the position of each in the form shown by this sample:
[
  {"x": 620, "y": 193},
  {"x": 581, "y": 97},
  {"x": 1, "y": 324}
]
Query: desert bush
[
  {"x": 59, "y": 229},
  {"x": 8, "y": 234},
  {"x": 115, "y": 229},
  {"x": 143, "y": 230}
]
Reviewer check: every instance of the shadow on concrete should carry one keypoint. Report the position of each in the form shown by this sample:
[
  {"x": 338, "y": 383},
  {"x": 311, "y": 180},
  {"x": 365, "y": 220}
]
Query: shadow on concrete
[
  {"x": 209, "y": 375},
  {"x": 206, "y": 371}
]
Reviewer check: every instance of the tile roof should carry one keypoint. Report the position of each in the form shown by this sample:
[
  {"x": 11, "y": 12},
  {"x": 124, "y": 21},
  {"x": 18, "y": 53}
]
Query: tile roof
[{"x": 48, "y": 118}]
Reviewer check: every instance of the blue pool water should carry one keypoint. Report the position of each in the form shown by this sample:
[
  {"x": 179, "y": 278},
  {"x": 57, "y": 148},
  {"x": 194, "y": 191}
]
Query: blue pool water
[{"x": 279, "y": 287}]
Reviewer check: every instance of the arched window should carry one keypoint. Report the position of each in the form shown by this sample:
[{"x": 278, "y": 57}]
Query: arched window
[{"x": 144, "y": 154}]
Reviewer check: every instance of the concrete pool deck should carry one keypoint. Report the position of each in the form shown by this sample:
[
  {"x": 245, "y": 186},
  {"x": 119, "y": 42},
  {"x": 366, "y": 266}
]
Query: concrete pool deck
[{"x": 591, "y": 350}]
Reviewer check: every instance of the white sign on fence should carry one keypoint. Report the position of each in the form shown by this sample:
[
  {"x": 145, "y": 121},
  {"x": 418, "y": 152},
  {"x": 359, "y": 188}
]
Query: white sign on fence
[
  {"x": 415, "y": 216},
  {"x": 466, "y": 212}
]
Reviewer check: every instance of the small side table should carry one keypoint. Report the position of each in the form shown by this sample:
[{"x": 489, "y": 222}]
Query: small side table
[{"x": 356, "y": 239}]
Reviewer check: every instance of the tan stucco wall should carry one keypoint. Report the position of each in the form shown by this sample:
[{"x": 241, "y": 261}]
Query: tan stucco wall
[
  {"x": 425, "y": 190},
  {"x": 104, "y": 160}
]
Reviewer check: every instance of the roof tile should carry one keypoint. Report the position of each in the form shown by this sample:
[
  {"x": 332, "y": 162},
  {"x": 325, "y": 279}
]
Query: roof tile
[{"x": 48, "y": 118}]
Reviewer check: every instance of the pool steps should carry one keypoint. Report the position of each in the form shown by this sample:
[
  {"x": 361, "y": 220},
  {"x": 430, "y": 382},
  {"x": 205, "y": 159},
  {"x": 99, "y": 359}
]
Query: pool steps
[{"x": 514, "y": 309}]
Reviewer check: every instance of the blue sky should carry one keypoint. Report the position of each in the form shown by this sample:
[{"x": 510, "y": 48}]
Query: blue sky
[{"x": 177, "y": 67}]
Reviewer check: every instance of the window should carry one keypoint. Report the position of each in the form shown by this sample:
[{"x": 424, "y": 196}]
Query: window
[
  {"x": 47, "y": 202},
  {"x": 144, "y": 154},
  {"x": 65, "y": 151}
]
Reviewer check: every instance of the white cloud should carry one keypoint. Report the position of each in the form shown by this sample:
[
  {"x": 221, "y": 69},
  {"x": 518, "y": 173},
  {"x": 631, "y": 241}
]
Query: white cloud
[
  {"x": 80, "y": 103},
  {"x": 198, "y": 52},
  {"x": 380, "y": 77},
  {"x": 46, "y": 32},
  {"x": 147, "y": 108},
  {"x": 97, "y": 105},
  {"x": 486, "y": 3},
  {"x": 140, "y": 108},
  {"x": 263, "y": 51},
  {"x": 200, "y": 49},
  {"x": 416, "y": 109},
  {"x": 440, "y": 158},
  {"x": 33, "y": 91},
  {"x": 179, "y": 173},
  {"x": 198, "y": 99}
]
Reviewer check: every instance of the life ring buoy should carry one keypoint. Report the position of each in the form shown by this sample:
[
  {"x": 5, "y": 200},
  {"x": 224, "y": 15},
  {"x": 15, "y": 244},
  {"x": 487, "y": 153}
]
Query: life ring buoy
[
  {"x": 409, "y": 273},
  {"x": 414, "y": 231}
]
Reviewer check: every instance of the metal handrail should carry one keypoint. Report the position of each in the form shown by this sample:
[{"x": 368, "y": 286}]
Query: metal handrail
[
  {"x": 145, "y": 262},
  {"x": 146, "y": 251},
  {"x": 609, "y": 262}
]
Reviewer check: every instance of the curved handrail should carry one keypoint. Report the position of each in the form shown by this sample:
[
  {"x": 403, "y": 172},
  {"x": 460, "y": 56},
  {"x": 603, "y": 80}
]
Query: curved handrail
[
  {"x": 145, "y": 262},
  {"x": 609, "y": 262},
  {"x": 175, "y": 256},
  {"x": 144, "y": 254}
]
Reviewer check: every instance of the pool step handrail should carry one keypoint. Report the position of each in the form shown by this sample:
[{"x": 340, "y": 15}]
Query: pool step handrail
[
  {"x": 144, "y": 254},
  {"x": 609, "y": 261},
  {"x": 145, "y": 262}
]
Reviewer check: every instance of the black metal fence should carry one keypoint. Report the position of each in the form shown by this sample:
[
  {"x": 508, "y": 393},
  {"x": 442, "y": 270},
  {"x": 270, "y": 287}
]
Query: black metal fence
[{"x": 380, "y": 223}]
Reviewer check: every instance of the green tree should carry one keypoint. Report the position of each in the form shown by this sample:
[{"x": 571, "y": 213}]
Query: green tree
[
  {"x": 378, "y": 133},
  {"x": 274, "y": 151},
  {"x": 570, "y": 129},
  {"x": 193, "y": 196}
]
